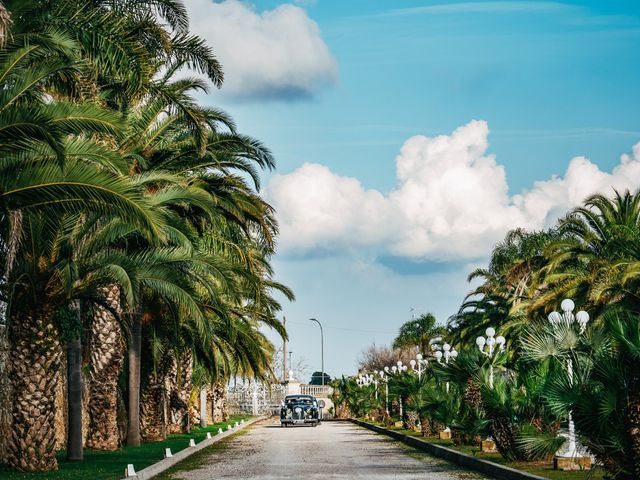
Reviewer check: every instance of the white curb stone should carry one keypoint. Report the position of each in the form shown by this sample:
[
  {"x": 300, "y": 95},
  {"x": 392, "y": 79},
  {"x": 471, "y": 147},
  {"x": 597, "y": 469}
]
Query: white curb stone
[{"x": 159, "y": 467}]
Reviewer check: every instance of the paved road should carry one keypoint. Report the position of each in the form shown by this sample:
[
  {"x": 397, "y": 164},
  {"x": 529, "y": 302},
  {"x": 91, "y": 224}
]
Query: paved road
[{"x": 332, "y": 450}]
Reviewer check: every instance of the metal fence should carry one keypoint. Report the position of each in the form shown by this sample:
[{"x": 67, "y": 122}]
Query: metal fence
[{"x": 255, "y": 398}]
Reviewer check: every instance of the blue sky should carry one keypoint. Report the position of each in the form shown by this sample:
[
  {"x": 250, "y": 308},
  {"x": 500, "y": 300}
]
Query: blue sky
[{"x": 339, "y": 90}]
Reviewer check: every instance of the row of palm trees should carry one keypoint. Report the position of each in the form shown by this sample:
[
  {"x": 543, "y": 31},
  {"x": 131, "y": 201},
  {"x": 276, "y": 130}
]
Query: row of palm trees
[
  {"x": 134, "y": 242},
  {"x": 522, "y": 396}
]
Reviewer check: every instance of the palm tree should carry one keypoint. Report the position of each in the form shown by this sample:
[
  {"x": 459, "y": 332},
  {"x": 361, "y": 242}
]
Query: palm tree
[
  {"x": 421, "y": 395},
  {"x": 173, "y": 156},
  {"x": 513, "y": 277},
  {"x": 45, "y": 173},
  {"x": 594, "y": 261},
  {"x": 186, "y": 143},
  {"x": 419, "y": 333},
  {"x": 468, "y": 373}
]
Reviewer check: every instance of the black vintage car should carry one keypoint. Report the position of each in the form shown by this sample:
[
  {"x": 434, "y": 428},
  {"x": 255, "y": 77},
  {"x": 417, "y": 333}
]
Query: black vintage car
[{"x": 300, "y": 410}]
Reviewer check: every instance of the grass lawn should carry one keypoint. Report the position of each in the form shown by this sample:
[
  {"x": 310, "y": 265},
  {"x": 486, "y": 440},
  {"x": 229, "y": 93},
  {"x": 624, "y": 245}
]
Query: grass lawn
[
  {"x": 111, "y": 465},
  {"x": 542, "y": 468},
  {"x": 198, "y": 459}
]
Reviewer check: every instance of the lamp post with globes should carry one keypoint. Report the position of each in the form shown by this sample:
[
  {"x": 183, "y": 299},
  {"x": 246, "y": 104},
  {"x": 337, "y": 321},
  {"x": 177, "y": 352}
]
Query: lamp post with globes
[
  {"x": 418, "y": 364},
  {"x": 367, "y": 379},
  {"x": 384, "y": 377},
  {"x": 488, "y": 347},
  {"x": 557, "y": 320},
  {"x": 449, "y": 354},
  {"x": 398, "y": 368}
]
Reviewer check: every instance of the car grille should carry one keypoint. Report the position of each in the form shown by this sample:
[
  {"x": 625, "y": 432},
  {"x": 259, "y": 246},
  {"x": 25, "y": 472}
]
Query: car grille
[{"x": 298, "y": 413}]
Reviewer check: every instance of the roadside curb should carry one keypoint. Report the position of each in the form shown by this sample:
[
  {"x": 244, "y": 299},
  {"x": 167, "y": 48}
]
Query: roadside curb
[
  {"x": 486, "y": 467},
  {"x": 159, "y": 467}
]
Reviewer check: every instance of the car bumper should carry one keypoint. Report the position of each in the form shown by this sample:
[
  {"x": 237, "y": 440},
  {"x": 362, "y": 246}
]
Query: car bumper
[{"x": 291, "y": 421}]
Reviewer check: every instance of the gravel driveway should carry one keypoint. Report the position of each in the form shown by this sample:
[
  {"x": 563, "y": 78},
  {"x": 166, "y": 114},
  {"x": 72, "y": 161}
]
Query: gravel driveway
[{"x": 331, "y": 450}]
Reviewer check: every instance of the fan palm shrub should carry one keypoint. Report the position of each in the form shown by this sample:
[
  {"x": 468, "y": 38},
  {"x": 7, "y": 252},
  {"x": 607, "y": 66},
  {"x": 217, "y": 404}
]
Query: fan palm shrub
[
  {"x": 602, "y": 393},
  {"x": 466, "y": 375}
]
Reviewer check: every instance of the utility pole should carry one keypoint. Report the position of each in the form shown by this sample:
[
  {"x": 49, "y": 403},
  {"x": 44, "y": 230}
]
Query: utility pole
[
  {"x": 321, "y": 348},
  {"x": 290, "y": 364},
  {"x": 284, "y": 353}
]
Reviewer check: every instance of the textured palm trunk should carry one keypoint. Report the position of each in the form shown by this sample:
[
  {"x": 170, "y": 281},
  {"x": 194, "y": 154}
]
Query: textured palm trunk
[
  {"x": 194, "y": 406},
  {"x": 504, "y": 437},
  {"x": 106, "y": 357},
  {"x": 217, "y": 402},
  {"x": 134, "y": 351},
  {"x": 5, "y": 394},
  {"x": 153, "y": 421},
  {"x": 633, "y": 419},
  {"x": 472, "y": 395},
  {"x": 74, "y": 400},
  {"x": 34, "y": 366},
  {"x": 425, "y": 425},
  {"x": 179, "y": 387}
]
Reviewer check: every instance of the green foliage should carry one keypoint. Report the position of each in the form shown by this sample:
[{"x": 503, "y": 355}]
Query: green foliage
[
  {"x": 316, "y": 378},
  {"x": 418, "y": 333},
  {"x": 68, "y": 322},
  {"x": 111, "y": 173},
  {"x": 102, "y": 465}
]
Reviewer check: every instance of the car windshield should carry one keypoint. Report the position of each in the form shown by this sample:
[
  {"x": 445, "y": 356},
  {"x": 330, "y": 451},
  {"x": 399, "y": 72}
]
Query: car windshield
[{"x": 300, "y": 400}]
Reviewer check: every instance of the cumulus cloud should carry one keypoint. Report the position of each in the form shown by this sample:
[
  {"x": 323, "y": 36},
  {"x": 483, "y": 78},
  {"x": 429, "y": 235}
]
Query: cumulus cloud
[
  {"x": 275, "y": 54},
  {"x": 321, "y": 210},
  {"x": 451, "y": 200}
]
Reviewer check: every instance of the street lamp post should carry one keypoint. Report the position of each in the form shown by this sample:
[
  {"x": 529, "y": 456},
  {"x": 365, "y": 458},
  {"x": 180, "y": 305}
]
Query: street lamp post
[
  {"x": 488, "y": 346},
  {"x": 568, "y": 318},
  {"x": 321, "y": 347},
  {"x": 418, "y": 364},
  {"x": 399, "y": 368},
  {"x": 385, "y": 375},
  {"x": 449, "y": 354}
]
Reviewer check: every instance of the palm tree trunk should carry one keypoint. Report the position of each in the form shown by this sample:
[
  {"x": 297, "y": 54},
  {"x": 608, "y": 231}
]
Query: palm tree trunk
[
  {"x": 425, "y": 425},
  {"x": 134, "y": 357},
  {"x": 5, "y": 393},
  {"x": 633, "y": 408},
  {"x": 34, "y": 363},
  {"x": 5, "y": 24},
  {"x": 153, "y": 424},
  {"x": 107, "y": 356},
  {"x": 74, "y": 400},
  {"x": 179, "y": 393},
  {"x": 218, "y": 402},
  {"x": 504, "y": 436}
]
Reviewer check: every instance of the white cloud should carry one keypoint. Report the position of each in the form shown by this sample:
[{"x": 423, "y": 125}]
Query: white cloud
[
  {"x": 451, "y": 200},
  {"x": 321, "y": 210},
  {"x": 276, "y": 54}
]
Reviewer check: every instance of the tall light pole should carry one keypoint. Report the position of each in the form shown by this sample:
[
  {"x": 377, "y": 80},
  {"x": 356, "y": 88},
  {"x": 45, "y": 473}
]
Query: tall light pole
[
  {"x": 321, "y": 348},
  {"x": 490, "y": 343},
  {"x": 284, "y": 353},
  {"x": 567, "y": 318},
  {"x": 449, "y": 353},
  {"x": 487, "y": 346}
]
